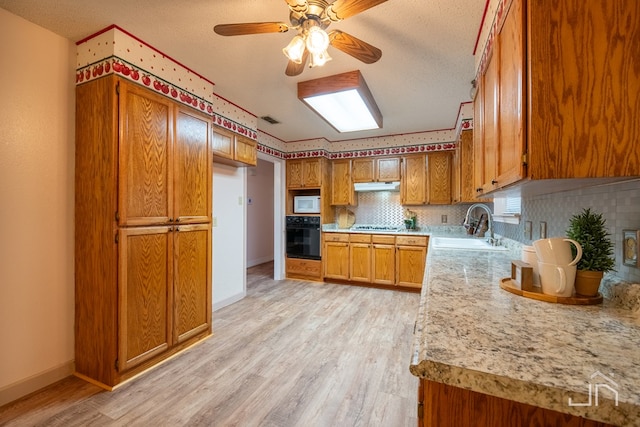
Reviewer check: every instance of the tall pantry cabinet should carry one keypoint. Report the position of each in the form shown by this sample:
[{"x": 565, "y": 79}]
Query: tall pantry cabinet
[{"x": 143, "y": 229}]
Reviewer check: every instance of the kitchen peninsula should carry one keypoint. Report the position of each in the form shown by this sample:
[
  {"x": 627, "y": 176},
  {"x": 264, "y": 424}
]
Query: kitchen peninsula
[{"x": 486, "y": 357}]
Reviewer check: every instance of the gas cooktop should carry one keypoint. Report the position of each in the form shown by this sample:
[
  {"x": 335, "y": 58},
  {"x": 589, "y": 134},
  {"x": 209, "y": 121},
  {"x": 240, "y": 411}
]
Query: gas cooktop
[{"x": 366, "y": 227}]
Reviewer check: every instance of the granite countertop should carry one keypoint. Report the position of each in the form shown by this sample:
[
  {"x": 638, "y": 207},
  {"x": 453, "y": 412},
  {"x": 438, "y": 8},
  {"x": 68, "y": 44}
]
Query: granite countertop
[
  {"x": 472, "y": 334},
  {"x": 333, "y": 228}
]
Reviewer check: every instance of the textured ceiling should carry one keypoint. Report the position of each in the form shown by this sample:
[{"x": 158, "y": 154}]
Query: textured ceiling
[{"x": 423, "y": 77}]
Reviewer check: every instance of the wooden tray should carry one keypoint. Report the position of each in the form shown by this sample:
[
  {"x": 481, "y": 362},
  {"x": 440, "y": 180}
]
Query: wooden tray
[{"x": 508, "y": 285}]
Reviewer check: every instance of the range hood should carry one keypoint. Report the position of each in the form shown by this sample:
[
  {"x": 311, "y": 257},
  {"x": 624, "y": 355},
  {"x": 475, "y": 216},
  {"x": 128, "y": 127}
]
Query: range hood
[{"x": 377, "y": 186}]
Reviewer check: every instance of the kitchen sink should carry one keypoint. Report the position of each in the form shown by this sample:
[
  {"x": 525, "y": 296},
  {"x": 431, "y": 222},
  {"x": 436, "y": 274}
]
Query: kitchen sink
[{"x": 468, "y": 244}]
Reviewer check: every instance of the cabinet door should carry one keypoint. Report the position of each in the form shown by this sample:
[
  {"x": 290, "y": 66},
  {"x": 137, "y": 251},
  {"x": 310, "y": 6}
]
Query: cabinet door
[
  {"x": 336, "y": 260},
  {"x": 294, "y": 174},
  {"x": 192, "y": 272},
  {"x": 192, "y": 189},
  {"x": 465, "y": 167},
  {"x": 246, "y": 150},
  {"x": 384, "y": 264},
  {"x": 388, "y": 169},
  {"x": 511, "y": 143},
  {"x": 410, "y": 264},
  {"x": 478, "y": 140},
  {"x": 144, "y": 294},
  {"x": 145, "y": 165},
  {"x": 413, "y": 184},
  {"x": 222, "y": 142},
  {"x": 342, "y": 191},
  {"x": 360, "y": 262},
  {"x": 439, "y": 178},
  {"x": 312, "y": 172},
  {"x": 363, "y": 170},
  {"x": 490, "y": 141}
]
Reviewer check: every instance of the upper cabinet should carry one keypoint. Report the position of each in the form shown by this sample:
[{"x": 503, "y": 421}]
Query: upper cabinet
[
  {"x": 427, "y": 179},
  {"x": 386, "y": 169},
  {"x": 439, "y": 173},
  {"x": 305, "y": 173},
  {"x": 342, "y": 191},
  {"x": 560, "y": 102},
  {"x": 232, "y": 149}
]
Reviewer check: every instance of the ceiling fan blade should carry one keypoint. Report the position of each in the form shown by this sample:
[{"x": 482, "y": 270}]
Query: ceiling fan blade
[
  {"x": 298, "y": 6},
  {"x": 294, "y": 69},
  {"x": 250, "y": 28},
  {"x": 354, "y": 47},
  {"x": 342, "y": 9}
]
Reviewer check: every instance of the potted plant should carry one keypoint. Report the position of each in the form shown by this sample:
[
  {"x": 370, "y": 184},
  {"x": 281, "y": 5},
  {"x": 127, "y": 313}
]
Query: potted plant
[{"x": 588, "y": 229}]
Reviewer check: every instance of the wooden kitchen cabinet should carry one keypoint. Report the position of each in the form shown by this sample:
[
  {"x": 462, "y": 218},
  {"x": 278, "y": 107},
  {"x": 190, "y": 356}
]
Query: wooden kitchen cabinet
[
  {"x": 383, "y": 254},
  {"x": 463, "y": 167},
  {"x": 439, "y": 175},
  {"x": 143, "y": 229},
  {"x": 411, "y": 255},
  {"x": 443, "y": 405},
  {"x": 554, "y": 100},
  {"x": 360, "y": 258},
  {"x": 342, "y": 190},
  {"x": 377, "y": 259},
  {"x": 232, "y": 149},
  {"x": 413, "y": 190},
  {"x": 305, "y": 173},
  {"x": 371, "y": 169},
  {"x": 335, "y": 255}
]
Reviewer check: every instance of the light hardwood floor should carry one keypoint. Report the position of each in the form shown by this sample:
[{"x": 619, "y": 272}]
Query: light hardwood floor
[{"x": 292, "y": 353}]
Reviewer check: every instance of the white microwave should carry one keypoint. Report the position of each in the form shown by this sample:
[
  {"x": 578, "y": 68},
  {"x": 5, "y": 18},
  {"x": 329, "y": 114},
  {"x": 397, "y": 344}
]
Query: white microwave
[{"x": 306, "y": 204}]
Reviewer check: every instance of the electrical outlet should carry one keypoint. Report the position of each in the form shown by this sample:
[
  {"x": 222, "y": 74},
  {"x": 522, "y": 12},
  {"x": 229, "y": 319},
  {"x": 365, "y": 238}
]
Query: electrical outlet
[
  {"x": 528, "y": 226},
  {"x": 444, "y": 219},
  {"x": 543, "y": 230}
]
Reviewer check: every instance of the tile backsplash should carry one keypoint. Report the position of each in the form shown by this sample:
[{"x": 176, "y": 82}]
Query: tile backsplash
[
  {"x": 618, "y": 203},
  {"x": 383, "y": 207}
]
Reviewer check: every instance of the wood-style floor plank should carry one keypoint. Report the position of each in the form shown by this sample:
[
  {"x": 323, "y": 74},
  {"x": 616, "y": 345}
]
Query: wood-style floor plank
[{"x": 292, "y": 353}]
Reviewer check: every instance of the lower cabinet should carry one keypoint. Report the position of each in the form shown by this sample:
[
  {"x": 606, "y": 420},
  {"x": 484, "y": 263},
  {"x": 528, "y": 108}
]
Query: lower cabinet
[
  {"x": 442, "y": 405},
  {"x": 375, "y": 259},
  {"x": 163, "y": 286},
  {"x": 335, "y": 255},
  {"x": 411, "y": 253}
]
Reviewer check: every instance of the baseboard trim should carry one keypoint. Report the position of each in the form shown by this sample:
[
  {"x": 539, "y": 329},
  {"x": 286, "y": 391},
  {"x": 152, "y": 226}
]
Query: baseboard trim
[
  {"x": 35, "y": 382},
  {"x": 258, "y": 261},
  {"x": 228, "y": 301}
]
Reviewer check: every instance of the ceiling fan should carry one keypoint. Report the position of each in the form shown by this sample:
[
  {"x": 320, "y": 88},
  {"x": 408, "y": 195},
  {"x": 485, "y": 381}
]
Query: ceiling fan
[{"x": 311, "y": 18}]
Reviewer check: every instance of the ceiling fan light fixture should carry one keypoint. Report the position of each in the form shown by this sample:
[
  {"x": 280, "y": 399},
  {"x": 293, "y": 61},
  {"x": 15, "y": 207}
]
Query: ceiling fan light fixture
[
  {"x": 319, "y": 59},
  {"x": 317, "y": 40},
  {"x": 295, "y": 49}
]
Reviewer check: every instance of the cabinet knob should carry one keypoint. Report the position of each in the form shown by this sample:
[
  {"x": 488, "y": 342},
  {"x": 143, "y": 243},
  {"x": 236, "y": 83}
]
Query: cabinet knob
[
  {"x": 170, "y": 219},
  {"x": 494, "y": 182},
  {"x": 479, "y": 190}
]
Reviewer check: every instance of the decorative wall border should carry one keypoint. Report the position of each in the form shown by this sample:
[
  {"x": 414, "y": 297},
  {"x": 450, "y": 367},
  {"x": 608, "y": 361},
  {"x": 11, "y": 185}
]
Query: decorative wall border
[
  {"x": 374, "y": 152},
  {"x": 496, "y": 24},
  {"x": 129, "y": 71}
]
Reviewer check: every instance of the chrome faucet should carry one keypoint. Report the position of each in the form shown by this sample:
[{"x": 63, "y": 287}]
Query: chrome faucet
[{"x": 489, "y": 218}]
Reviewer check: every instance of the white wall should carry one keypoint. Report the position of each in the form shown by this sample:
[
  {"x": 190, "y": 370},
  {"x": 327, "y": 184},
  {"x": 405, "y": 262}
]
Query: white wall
[
  {"x": 36, "y": 206},
  {"x": 229, "y": 255},
  {"x": 260, "y": 213}
]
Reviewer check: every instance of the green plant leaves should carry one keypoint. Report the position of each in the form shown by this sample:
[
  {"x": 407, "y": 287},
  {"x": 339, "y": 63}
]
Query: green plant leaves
[{"x": 589, "y": 229}]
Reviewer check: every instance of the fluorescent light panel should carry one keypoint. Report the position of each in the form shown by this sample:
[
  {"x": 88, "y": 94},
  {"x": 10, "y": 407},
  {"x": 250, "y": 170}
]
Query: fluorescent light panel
[{"x": 344, "y": 101}]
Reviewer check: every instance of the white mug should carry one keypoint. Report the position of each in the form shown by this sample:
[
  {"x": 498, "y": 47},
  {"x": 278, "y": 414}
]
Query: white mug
[
  {"x": 557, "y": 280},
  {"x": 557, "y": 250}
]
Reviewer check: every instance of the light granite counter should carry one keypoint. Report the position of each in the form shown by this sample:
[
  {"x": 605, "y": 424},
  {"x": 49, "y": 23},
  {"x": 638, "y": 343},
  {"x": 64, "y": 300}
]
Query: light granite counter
[{"x": 471, "y": 334}]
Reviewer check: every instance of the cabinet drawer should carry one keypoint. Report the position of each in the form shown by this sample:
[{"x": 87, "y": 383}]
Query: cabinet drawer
[
  {"x": 304, "y": 267},
  {"x": 386, "y": 240},
  {"x": 412, "y": 240},
  {"x": 336, "y": 237},
  {"x": 360, "y": 238}
]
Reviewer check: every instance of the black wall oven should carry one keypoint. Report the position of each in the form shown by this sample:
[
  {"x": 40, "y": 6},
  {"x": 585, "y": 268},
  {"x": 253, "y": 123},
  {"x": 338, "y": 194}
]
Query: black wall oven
[{"x": 303, "y": 236}]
